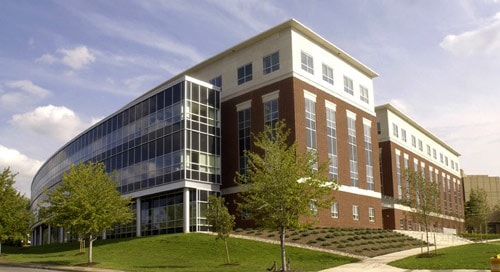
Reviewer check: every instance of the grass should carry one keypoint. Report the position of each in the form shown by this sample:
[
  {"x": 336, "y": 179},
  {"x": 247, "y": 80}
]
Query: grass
[
  {"x": 176, "y": 252},
  {"x": 471, "y": 256}
]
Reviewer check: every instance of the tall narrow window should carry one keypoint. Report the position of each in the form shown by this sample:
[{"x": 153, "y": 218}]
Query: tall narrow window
[
  {"x": 327, "y": 74},
  {"x": 395, "y": 130},
  {"x": 363, "y": 94},
  {"x": 353, "y": 150},
  {"x": 331, "y": 133},
  {"x": 355, "y": 212},
  {"x": 243, "y": 138},
  {"x": 310, "y": 113},
  {"x": 371, "y": 214},
  {"x": 335, "y": 210},
  {"x": 244, "y": 73},
  {"x": 407, "y": 167},
  {"x": 271, "y": 113},
  {"x": 348, "y": 86},
  {"x": 271, "y": 63},
  {"x": 368, "y": 154},
  {"x": 398, "y": 175},
  {"x": 307, "y": 62}
]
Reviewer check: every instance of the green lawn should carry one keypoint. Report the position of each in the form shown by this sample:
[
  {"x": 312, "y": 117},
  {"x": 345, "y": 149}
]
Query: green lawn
[
  {"x": 472, "y": 256},
  {"x": 177, "y": 252}
]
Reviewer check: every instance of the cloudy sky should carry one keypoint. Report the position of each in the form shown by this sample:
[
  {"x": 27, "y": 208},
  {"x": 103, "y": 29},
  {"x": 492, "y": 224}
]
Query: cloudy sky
[{"x": 66, "y": 64}]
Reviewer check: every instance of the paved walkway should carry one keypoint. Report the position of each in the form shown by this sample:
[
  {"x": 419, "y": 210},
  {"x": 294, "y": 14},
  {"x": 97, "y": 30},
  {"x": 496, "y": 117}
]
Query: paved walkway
[{"x": 379, "y": 263}]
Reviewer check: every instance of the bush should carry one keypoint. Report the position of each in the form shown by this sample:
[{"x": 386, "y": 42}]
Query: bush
[{"x": 326, "y": 244}]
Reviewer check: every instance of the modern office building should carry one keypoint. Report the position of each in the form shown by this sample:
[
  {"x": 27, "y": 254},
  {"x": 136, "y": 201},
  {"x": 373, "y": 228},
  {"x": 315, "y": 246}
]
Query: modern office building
[
  {"x": 184, "y": 139},
  {"x": 490, "y": 185},
  {"x": 404, "y": 144}
]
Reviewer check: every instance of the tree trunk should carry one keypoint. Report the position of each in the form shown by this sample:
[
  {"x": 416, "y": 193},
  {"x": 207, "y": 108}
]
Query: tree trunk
[
  {"x": 227, "y": 251},
  {"x": 91, "y": 241},
  {"x": 282, "y": 243}
]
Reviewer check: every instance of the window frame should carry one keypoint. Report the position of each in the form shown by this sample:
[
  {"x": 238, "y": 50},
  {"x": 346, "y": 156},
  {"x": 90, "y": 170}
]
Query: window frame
[
  {"x": 307, "y": 62},
  {"x": 273, "y": 63},
  {"x": 247, "y": 73}
]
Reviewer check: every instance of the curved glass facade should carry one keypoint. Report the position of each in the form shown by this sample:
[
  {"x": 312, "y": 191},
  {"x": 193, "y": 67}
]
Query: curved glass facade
[{"x": 159, "y": 146}]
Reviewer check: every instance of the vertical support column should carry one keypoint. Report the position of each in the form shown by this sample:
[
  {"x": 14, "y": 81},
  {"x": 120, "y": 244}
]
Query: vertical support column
[
  {"x": 138, "y": 217},
  {"x": 49, "y": 236},
  {"x": 186, "y": 210},
  {"x": 40, "y": 236},
  {"x": 60, "y": 237}
]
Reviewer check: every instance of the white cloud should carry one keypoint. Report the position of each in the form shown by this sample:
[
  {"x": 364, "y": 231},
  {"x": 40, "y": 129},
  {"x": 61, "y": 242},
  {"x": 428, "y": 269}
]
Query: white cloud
[
  {"x": 485, "y": 40},
  {"x": 58, "y": 122},
  {"x": 75, "y": 58},
  {"x": 21, "y": 164},
  {"x": 133, "y": 32},
  {"x": 29, "y": 87},
  {"x": 21, "y": 92}
]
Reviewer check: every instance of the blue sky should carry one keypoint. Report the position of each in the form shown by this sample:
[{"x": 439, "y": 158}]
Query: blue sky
[{"x": 66, "y": 64}]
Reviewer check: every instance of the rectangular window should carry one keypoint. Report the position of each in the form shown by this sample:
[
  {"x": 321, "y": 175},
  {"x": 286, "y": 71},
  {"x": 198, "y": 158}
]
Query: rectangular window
[
  {"x": 369, "y": 158},
  {"x": 331, "y": 133},
  {"x": 244, "y": 73},
  {"x": 335, "y": 210},
  {"x": 428, "y": 150},
  {"x": 271, "y": 113},
  {"x": 216, "y": 81},
  {"x": 395, "y": 130},
  {"x": 371, "y": 214},
  {"x": 313, "y": 207},
  {"x": 403, "y": 135},
  {"x": 434, "y": 154},
  {"x": 353, "y": 151},
  {"x": 420, "y": 145},
  {"x": 355, "y": 213},
  {"x": 348, "y": 86},
  {"x": 363, "y": 94},
  {"x": 401, "y": 224},
  {"x": 307, "y": 62},
  {"x": 398, "y": 176},
  {"x": 271, "y": 63},
  {"x": 327, "y": 74},
  {"x": 413, "y": 141},
  {"x": 310, "y": 113},
  {"x": 243, "y": 138}
]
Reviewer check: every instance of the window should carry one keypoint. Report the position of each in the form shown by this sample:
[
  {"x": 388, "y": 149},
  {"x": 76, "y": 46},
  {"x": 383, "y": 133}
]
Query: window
[
  {"x": 335, "y": 210},
  {"x": 363, "y": 94},
  {"x": 434, "y": 153},
  {"x": 403, "y": 135},
  {"x": 243, "y": 137},
  {"x": 310, "y": 113},
  {"x": 420, "y": 145},
  {"x": 401, "y": 224},
  {"x": 398, "y": 175},
  {"x": 353, "y": 150},
  {"x": 355, "y": 214},
  {"x": 395, "y": 130},
  {"x": 327, "y": 74},
  {"x": 271, "y": 63},
  {"x": 217, "y": 81},
  {"x": 331, "y": 134},
  {"x": 307, "y": 62},
  {"x": 271, "y": 113},
  {"x": 413, "y": 141},
  {"x": 379, "y": 128},
  {"x": 428, "y": 150},
  {"x": 371, "y": 214},
  {"x": 348, "y": 86},
  {"x": 244, "y": 73},
  {"x": 313, "y": 207},
  {"x": 369, "y": 158}
]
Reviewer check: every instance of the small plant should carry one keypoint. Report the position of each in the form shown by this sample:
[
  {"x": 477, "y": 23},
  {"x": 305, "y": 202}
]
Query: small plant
[
  {"x": 311, "y": 242},
  {"x": 326, "y": 244},
  {"x": 321, "y": 239}
]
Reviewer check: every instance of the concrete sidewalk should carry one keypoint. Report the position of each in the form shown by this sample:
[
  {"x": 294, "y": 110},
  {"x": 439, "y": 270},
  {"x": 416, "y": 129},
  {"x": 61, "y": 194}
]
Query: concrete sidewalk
[{"x": 379, "y": 264}]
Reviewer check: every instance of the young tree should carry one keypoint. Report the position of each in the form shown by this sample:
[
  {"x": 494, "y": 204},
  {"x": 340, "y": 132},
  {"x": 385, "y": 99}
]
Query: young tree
[
  {"x": 87, "y": 202},
  {"x": 15, "y": 215},
  {"x": 477, "y": 209},
  {"x": 280, "y": 184},
  {"x": 423, "y": 200},
  {"x": 221, "y": 220}
]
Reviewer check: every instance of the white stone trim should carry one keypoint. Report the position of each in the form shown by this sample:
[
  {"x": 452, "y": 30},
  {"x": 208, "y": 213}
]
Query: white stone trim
[
  {"x": 244, "y": 105},
  {"x": 271, "y": 96},
  {"x": 310, "y": 96},
  {"x": 330, "y": 105}
]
